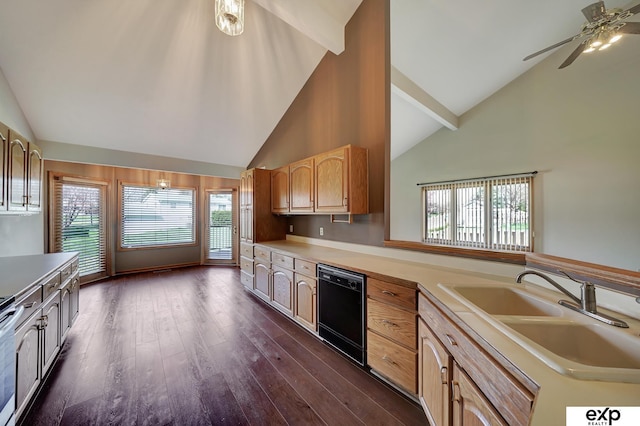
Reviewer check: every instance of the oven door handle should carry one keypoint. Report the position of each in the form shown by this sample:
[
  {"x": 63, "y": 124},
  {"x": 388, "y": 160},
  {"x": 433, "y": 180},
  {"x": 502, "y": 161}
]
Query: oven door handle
[{"x": 10, "y": 324}]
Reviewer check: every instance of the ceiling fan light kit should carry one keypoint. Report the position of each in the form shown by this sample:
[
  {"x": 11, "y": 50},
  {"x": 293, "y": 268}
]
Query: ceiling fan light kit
[
  {"x": 602, "y": 29},
  {"x": 230, "y": 16}
]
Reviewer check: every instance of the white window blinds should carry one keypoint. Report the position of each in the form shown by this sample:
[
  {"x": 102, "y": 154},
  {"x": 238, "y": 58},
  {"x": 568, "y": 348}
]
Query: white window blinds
[
  {"x": 79, "y": 223},
  {"x": 490, "y": 213},
  {"x": 154, "y": 217}
]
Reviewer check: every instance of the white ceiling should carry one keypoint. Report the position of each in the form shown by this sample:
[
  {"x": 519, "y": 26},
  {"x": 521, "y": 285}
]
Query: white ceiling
[{"x": 157, "y": 77}]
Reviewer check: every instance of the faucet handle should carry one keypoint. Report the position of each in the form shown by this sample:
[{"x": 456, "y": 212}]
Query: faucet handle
[
  {"x": 586, "y": 283},
  {"x": 587, "y": 294}
]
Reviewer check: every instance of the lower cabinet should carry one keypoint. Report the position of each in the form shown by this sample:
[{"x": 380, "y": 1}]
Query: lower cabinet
[
  {"x": 262, "y": 279},
  {"x": 282, "y": 285},
  {"x": 460, "y": 380},
  {"x": 470, "y": 407},
  {"x": 50, "y": 327},
  {"x": 306, "y": 310},
  {"x": 27, "y": 360},
  {"x": 434, "y": 377}
]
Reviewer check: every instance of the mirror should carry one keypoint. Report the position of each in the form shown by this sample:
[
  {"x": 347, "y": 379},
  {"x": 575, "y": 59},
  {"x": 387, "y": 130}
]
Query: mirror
[{"x": 577, "y": 127}]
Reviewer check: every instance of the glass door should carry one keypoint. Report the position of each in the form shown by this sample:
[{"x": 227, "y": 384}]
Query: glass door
[{"x": 222, "y": 227}]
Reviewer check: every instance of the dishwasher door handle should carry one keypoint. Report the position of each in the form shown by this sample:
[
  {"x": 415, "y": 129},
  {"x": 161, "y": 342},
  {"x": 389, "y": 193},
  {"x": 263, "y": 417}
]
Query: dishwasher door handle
[{"x": 10, "y": 324}]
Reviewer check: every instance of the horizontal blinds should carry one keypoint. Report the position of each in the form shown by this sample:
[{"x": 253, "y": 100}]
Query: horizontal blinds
[
  {"x": 489, "y": 213},
  {"x": 156, "y": 217},
  {"x": 79, "y": 224}
]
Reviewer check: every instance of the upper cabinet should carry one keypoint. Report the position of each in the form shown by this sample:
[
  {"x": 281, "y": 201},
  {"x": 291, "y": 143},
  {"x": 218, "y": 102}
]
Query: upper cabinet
[
  {"x": 22, "y": 172},
  {"x": 256, "y": 221},
  {"x": 334, "y": 182}
]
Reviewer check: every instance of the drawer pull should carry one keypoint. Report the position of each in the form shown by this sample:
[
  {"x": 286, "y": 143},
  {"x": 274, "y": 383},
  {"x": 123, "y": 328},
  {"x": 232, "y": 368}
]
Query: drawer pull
[
  {"x": 389, "y": 323},
  {"x": 456, "y": 392},
  {"x": 388, "y": 360},
  {"x": 443, "y": 375},
  {"x": 451, "y": 340},
  {"x": 30, "y": 305},
  {"x": 389, "y": 293}
]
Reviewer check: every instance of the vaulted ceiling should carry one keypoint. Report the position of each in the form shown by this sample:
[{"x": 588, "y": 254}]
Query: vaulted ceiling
[{"x": 158, "y": 77}]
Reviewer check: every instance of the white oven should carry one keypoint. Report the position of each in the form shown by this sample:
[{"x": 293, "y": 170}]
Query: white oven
[{"x": 9, "y": 315}]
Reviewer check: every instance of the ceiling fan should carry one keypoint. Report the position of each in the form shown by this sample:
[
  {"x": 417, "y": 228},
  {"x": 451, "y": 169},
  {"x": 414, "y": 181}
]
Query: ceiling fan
[{"x": 603, "y": 27}]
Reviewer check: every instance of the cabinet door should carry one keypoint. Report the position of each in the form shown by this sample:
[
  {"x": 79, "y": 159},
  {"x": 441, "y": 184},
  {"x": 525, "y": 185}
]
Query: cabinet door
[
  {"x": 470, "y": 407},
  {"x": 262, "y": 283},
  {"x": 65, "y": 310},
  {"x": 34, "y": 185},
  {"x": 305, "y": 304},
  {"x": 301, "y": 183},
  {"x": 331, "y": 175},
  {"x": 4, "y": 152},
  {"x": 17, "y": 184},
  {"x": 280, "y": 190},
  {"x": 50, "y": 331},
  {"x": 282, "y": 294},
  {"x": 27, "y": 361},
  {"x": 74, "y": 298},
  {"x": 434, "y": 377}
]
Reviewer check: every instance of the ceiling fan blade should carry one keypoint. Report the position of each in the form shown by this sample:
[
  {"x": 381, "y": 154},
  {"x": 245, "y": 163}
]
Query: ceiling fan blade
[
  {"x": 630, "y": 28},
  {"x": 635, "y": 9},
  {"x": 594, "y": 11},
  {"x": 574, "y": 55},
  {"x": 553, "y": 46}
]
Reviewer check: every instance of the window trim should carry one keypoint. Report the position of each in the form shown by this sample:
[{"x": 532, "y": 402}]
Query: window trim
[{"x": 196, "y": 219}]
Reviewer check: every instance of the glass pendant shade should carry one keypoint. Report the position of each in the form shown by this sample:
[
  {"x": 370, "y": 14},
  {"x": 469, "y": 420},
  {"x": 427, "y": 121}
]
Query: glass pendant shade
[{"x": 230, "y": 16}]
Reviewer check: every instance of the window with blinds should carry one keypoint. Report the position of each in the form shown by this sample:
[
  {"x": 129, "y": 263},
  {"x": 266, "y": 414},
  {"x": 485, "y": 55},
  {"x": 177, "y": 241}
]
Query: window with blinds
[
  {"x": 489, "y": 213},
  {"x": 79, "y": 210},
  {"x": 155, "y": 217}
]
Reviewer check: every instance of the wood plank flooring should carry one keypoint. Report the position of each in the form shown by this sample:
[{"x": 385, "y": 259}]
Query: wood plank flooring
[{"x": 192, "y": 347}]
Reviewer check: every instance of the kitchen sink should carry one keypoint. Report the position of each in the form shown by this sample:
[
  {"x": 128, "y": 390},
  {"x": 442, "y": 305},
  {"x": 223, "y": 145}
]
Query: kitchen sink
[
  {"x": 581, "y": 350},
  {"x": 496, "y": 300}
]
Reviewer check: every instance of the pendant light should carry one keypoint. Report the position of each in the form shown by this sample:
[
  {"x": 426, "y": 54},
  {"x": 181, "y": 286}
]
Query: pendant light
[{"x": 230, "y": 16}]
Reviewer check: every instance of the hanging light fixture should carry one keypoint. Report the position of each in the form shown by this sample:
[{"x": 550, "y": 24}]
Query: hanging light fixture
[{"x": 230, "y": 16}]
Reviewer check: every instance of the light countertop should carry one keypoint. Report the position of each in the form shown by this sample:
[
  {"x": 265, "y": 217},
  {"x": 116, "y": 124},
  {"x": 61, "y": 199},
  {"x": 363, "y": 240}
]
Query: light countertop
[
  {"x": 556, "y": 392},
  {"x": 18, "y": 273}
]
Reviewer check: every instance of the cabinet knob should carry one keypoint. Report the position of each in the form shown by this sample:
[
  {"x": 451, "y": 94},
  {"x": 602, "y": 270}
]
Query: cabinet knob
[
  {"x": 456, "y": 392},
  {"x": 451, "y": 340},
  {"x": 443, "y": 375}
]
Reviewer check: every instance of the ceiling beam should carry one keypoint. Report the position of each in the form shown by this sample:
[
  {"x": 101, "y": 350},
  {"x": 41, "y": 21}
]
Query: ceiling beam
[
  {"x": 314, "y": 20},
  {"x": 404, "y": 87}
]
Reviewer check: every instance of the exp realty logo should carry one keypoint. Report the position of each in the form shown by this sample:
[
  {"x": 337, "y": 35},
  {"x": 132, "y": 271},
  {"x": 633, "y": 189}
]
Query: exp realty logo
[{"x": 603, "y": 416}]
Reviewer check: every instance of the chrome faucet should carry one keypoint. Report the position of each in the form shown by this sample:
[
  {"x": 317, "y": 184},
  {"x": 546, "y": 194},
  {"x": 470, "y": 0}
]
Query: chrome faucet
[{"x": 585, "y": 304}]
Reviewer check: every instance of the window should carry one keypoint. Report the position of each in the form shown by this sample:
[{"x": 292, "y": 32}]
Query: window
[
  {"x": 489, "y": 213},
  {"x": 155, "y": 217},
  {"x": 78, "y": 223}
]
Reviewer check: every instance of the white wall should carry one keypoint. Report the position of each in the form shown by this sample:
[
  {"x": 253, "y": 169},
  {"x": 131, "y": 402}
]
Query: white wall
[
  {"x": 18, "y": 234},
  {"x": 579, "y": 127}
]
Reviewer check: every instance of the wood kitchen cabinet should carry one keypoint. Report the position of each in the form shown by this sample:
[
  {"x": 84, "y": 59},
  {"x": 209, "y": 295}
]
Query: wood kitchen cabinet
[
  {"x": 282, "y": 282},
  {"x": 342, "y": 181},
  {"x": 470, "y": 407},
  {"x": 484, "y": 390},
  {"x": 392, "y": 332},
  {"x": 280, "y": 190},
  {"x": 302, "y": 185},
  {"x": 262, "y": 279},
  {"x": 50, "y": 307},
  {"x": 24, "y": 171},
  {"x": 306, "y": 287},
  {"x": 434, "y": 377}
]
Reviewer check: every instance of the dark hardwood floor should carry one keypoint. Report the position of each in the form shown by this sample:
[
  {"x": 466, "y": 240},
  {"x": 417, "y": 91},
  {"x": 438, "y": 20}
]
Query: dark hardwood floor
[{"x": 192, "y": 347}]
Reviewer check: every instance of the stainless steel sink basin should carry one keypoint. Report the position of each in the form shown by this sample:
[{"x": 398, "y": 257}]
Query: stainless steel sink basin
[
  {"x": 588, "y": 351},
  {"x": 507, "y": 301}
]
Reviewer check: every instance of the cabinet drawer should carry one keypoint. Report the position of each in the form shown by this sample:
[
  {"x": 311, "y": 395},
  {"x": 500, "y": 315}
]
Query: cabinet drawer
[
  {"x": 396, "y": 324},
  {"x": 246, "y": 265},
  {"x": 392, "y": 361},
  {"x": 495, "y": 382},
  {"x": 282, "y": 260},
  {"x": 246, "y": 250},
  {"x": 31, "y": 303},
  {"x": 246, "y": 279},
  {"x": 74, "y": 265},
  {"x": 305, "y": 267},
  {"x": 392, "y": 293},
  {"x": 50, "y": 285},
  {"x": 65, "y": 273},
  {"x": 262, "y": 252}
]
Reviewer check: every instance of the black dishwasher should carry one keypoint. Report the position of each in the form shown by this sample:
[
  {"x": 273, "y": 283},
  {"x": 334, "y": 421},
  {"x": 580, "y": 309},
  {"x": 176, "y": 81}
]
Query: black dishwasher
[{"x": 341, "y": 311}]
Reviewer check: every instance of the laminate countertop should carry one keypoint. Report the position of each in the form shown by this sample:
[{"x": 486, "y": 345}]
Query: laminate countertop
[
  {"x": 18, "y": 273},
  {"x": 556, "y": 391}
]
